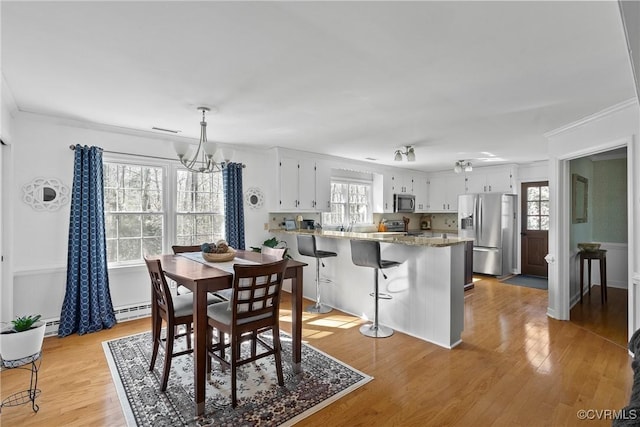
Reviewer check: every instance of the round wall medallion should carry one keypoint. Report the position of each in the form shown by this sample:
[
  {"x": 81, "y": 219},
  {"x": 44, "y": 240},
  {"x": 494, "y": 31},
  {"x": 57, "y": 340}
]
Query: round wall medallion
[
  {"x": 254, "y": 197},
  {"x": 45, "y": 194}
]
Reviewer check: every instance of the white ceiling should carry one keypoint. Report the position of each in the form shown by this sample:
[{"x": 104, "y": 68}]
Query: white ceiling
[{"x": 481, "y": 81}]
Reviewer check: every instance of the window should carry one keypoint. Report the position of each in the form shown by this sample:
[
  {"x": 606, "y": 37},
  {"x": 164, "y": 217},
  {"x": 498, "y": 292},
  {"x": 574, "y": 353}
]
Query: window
[
  {"x": 199, "y": 208},
  {"x": 134, "y": 214},
  {"x": 350, "y": 203},
  {"x": 150, "y": 207},
  {"x": 538, "y": 208}
]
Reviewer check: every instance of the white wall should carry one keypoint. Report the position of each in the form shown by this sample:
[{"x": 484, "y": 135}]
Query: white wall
[
  {"x": 7, "y": 109},
  {"x": 39, "y": 250},
  {"x": 615, "y": 127}
]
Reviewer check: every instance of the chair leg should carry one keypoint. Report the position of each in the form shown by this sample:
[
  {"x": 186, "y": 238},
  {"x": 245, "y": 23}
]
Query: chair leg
[
  {"x": 277, "y": 348},
  {"x": 156, "y": 330},
  {"x": 168, "y": 352},
  {"x": 189, "y": 330},
  {"x": 234, "y": 366},
  {"x": 221, "y": 338},
  {"x": 254, "y": 343}
]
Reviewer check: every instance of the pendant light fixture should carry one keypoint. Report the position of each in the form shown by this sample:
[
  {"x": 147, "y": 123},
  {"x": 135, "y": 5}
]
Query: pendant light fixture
[{"x": 202, "y": 160}]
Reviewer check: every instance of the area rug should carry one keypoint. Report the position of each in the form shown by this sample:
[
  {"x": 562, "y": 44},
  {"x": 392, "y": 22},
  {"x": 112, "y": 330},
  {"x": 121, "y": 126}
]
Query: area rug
[
  {"x": 527, "y": 281},
  {"x": 261, "y": 402}
]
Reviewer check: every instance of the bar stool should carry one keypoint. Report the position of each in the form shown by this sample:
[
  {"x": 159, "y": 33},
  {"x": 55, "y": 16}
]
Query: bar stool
[
  {"x": 307, "y": 247},
  {"x": 366, "y": 253},
  {"x": 601, "y": 255}
]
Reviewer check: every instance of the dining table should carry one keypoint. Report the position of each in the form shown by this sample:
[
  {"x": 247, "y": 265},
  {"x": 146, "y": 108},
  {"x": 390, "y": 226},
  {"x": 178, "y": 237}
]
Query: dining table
[{"x": 204, "y": 277}]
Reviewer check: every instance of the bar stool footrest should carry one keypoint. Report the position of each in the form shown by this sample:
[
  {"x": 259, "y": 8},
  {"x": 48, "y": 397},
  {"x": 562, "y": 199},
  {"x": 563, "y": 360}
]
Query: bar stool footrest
[{"x": 381, "y": 295}]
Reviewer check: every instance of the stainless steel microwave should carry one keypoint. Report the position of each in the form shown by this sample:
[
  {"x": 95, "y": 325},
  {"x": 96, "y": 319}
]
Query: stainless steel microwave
[{"x": 404, "y": 202}]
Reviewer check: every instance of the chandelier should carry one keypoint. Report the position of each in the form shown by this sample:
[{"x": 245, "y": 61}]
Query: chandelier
[
  {"x": 202, "y": 160},
  {"x": 462, "y": 165},
  {"x": 409, "y": 152}
]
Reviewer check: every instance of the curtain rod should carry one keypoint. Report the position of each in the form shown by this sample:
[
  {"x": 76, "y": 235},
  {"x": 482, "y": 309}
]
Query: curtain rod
[{"x": 73, "y": 147}]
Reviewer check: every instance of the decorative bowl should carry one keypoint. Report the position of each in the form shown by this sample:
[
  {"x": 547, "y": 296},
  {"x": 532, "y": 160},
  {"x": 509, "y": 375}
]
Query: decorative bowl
[
  {"x": 589, "y": 247},
  {"x": 214, "y": 257}
]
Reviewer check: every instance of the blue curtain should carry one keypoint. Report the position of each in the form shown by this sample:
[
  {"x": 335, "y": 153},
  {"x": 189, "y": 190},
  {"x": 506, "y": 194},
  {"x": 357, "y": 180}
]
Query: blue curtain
[
  {"x": 233, "y": 205},
  {"x": 87, "y": 303}
]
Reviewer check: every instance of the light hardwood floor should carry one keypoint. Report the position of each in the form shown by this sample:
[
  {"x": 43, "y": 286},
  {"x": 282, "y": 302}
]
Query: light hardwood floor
[{"x": 515, "y": 367}]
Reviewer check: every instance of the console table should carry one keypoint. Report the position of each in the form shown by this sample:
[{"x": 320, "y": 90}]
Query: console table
[{"x": 601, "y": 256}]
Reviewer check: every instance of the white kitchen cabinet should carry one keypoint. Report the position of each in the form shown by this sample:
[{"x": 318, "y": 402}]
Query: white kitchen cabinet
[
  {"x": 443, "y": 191},
  {"x": 402, "y": 183},
  {"x": 289, "y": 184},
  {"x": 388, "y": 190},
  {"x": 305, "y": 185},
  {"x": 420, "y": 190},
  {"x": 490, "y": 180},
  {"x": 323, "y": 186}
]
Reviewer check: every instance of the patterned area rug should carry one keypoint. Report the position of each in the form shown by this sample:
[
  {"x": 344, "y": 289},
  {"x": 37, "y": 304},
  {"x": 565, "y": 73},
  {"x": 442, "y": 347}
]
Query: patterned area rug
[{"x": 261, "y": 402}]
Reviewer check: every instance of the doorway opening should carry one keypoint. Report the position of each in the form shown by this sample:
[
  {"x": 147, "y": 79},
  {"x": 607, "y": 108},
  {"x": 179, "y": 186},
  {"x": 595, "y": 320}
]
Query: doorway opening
[{"x": 602, "y": 219}]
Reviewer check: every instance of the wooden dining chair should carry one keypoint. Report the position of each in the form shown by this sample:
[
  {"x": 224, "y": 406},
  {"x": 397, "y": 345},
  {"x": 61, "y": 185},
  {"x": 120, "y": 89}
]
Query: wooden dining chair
[
  {"x": 253, "y": 308},
  {"x": 174, "y": 312}
]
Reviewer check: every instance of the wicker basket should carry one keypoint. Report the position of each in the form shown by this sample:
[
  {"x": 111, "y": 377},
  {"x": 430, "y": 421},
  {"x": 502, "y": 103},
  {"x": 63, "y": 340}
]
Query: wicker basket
[{"x": 213, "y": 257}]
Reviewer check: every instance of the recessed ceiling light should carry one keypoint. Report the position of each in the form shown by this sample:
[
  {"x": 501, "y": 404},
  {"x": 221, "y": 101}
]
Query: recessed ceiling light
[
  {"x": 370, "y": 158},
  {"x": 165, "y": 130}
]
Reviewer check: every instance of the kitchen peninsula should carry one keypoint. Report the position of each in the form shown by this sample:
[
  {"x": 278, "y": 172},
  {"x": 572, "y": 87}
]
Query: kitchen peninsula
[{"x": 427, "y": 290}]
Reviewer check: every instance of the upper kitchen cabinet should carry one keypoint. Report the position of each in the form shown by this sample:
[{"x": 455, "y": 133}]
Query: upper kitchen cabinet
[
  {"x": 390, "y": 183},
  {"x": 401, "y": 183},
  {"x": 443, "y": 191},
  {"x": 304, "y": 185},
  {"x": 499, "y": 179},
  {"x": 421, "y": 191}
]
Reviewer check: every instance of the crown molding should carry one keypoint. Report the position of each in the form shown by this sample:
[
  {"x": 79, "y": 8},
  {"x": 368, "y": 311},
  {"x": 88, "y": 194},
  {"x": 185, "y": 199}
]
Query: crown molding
[{"x": 603, "y": 113}]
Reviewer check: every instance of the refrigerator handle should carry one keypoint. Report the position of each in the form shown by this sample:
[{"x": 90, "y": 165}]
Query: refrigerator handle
[{"x": 479, "y": 218}]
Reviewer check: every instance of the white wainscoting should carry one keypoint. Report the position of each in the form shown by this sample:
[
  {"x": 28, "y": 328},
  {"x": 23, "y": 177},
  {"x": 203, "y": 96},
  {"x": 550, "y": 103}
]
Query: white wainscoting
[{"x": 617, "y": 266}]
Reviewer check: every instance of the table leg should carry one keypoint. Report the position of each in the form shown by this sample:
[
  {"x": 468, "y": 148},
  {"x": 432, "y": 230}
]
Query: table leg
[
  {"x": 589, "y": 267},
  {"x": 603, "y": 279},
  {"x": 296, "y": 321},
  {"x": 200, "y": 347},
  {"x": 581, "y": 276}
]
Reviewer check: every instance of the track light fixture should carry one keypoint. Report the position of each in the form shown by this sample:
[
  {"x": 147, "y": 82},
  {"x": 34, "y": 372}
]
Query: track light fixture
[
  {"x": 463, "y": 165},
  {"x": 409, "y": 152}
]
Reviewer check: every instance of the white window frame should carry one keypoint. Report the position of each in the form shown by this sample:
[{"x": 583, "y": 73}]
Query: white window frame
[
  {"x": 175, "y": 213},
  {"x": 351, "y": 181},
  {"x": 169, "y": 198}
]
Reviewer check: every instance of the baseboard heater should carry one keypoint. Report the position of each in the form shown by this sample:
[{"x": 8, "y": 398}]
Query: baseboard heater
[{"x": 122, "y": 314}]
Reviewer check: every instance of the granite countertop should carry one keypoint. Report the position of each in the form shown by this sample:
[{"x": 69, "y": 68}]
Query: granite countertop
[{"x": 385, "y": 237}]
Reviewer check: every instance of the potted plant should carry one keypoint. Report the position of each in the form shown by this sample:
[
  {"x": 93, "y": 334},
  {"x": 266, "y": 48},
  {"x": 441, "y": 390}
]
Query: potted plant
[{"x": 23, "y": 339}]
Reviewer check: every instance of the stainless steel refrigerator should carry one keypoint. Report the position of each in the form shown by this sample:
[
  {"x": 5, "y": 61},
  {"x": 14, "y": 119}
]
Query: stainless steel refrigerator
[{"x": 490, "y": 220}]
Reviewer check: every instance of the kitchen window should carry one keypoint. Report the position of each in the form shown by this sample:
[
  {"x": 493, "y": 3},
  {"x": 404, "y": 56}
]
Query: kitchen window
[
  {"x": 350, "y": 203},
  {"x": 150, "y": 207}
]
